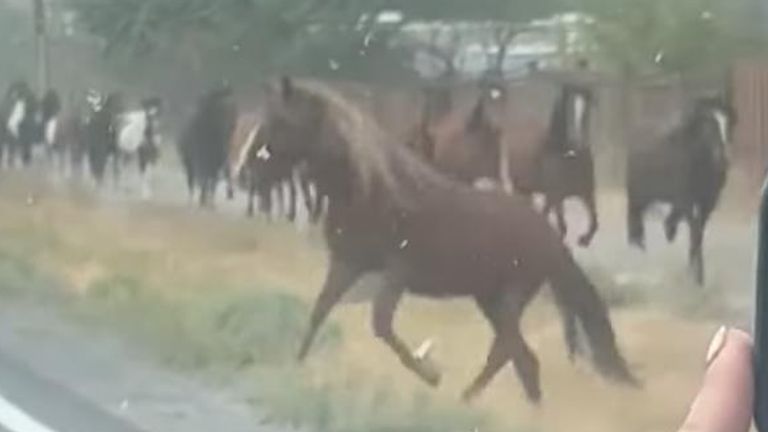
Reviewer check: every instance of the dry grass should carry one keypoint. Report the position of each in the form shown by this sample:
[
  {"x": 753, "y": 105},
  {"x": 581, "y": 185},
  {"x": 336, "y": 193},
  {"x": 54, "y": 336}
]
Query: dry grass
[{"x": 191, "y": 261}]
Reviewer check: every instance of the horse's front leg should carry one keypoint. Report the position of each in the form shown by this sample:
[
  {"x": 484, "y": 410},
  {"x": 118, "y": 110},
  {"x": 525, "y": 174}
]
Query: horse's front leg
[
  {"x": 672, "y": 223},
  {"x": 695, "y": 252},
  {"x": 341, "y": 277},
  {"x": 292, "y": 196},
  {"x": 384, "y": 306},
  {"x": 591, "y": 206}
]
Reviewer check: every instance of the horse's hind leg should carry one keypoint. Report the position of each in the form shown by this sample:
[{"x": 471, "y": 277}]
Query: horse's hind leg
[
  {"x": 384, "y": 307},
  {"x": 561, "y": 223},
  {"x": 696, "y": 256},
  {"x": 508, "y": 345},
  {"x": 292, "y": 196},
  {"x": 672, "y": 223},
  {"x": 591, "y": 205},
  {"x": 635, "y": 227},
  {"x": 341, "y": 277}
]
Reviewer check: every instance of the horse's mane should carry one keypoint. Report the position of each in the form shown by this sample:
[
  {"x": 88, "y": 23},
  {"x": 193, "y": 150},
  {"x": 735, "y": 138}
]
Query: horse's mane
[{"x": 375, "y": 159}]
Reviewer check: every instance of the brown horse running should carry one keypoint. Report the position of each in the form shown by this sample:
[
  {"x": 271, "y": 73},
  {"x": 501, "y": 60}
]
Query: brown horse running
[{"x": 392, "y": 214}]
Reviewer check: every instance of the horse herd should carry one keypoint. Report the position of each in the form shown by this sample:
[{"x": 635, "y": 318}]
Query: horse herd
[{"x": 419, "y": 212}]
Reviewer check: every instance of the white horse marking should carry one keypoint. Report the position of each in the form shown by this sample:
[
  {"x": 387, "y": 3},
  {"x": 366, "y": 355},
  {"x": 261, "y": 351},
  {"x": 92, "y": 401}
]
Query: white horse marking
[
  {"x": 579, "y": 109},
  {"x": 133, "y": 126},
  {"x": 18, "y": 113},
  {"x": 51, "y": 128},
  {"x": 722, "y": 124},
  {"x": 242, "y": 155}
]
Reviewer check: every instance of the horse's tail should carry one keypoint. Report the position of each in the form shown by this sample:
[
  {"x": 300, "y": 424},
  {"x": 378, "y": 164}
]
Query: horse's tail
[{"x": 578, "y": 299}]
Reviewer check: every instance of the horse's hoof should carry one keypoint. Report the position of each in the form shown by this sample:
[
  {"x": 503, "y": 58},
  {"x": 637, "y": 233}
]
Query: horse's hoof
[
  {"x": 429, "y": 372},
  {"x": 534, "y": 396},
  {"x": 585, "y": 241}
]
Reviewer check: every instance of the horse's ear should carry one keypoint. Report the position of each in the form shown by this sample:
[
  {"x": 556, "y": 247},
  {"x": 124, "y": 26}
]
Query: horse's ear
[{"x": 286, "y": 87}]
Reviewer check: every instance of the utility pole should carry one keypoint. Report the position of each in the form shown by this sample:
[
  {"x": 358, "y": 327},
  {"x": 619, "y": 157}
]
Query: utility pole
[{"x": 41, "y": 47}]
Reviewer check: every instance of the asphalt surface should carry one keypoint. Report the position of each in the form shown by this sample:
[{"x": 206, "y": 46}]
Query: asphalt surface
[{"x": 57, "y": 376}]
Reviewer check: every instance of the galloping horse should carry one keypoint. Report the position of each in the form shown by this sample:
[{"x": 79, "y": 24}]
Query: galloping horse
[
  {"x": 138, "y": 138},
  {"x": 204, "y": 144},
  {"x": 101, "y": 134},
  {"x": 563, "y": 166},
  {"x": 687, "y": 169},
  {"x": 391, "y": 213},
  {"x": 21, "y": 127}
]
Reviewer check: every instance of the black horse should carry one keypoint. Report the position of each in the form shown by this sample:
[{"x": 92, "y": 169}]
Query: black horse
[
  {"x": 687, "y": 169},
  {"x": 563, "y": 164},
  {"x": 21, "y": 129},
  {"x": 101, "y": 134},
  {"x": 204, "y": 144}
]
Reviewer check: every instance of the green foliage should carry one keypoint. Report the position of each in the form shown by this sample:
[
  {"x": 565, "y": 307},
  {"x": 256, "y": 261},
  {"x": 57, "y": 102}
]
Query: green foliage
[
  {"x": 242, "y": 39},
  {"x": 683, "y": 36}
]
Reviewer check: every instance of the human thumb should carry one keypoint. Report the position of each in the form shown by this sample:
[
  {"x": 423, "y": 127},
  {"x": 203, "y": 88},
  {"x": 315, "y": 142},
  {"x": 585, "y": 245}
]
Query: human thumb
[{"x": 724, "y": 402}]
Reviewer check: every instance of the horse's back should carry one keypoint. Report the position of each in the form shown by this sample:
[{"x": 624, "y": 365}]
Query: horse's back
[{"x": 474, "y": 235}]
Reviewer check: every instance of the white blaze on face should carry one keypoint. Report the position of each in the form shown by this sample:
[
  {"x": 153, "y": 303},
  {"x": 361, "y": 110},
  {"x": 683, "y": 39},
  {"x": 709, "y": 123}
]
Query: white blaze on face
[
  {"x": 242, "y": 155},
  {"x": 722, "y": 125},
  {"x": 17, "y": 115},
  {"x": 579, "y": 110},
  {"x": 50, "y": 131}
]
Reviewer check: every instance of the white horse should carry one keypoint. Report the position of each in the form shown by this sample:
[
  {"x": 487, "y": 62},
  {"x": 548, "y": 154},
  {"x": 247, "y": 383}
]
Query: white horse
[{"x": 138, "y": 138}]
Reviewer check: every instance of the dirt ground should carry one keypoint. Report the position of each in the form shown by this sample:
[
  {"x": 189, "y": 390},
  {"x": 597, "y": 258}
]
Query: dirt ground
[{"x": 663, "y": 321}]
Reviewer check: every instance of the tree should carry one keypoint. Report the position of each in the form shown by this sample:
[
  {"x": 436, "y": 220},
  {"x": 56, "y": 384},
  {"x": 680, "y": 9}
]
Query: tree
[
  {"x": 344, "y": 38},
  {"x": 682, "y": 36}
]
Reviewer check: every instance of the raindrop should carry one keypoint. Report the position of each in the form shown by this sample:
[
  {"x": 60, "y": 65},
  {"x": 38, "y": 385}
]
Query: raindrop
[
  {"x": 404, "y": 244},
  {"x": 495, "y": 94},
  {"x": 515, "y": 262},
  {"x": 707, "y": 15},
  {"x": 659, "y": 57},
  {"x": 333, "y": 64},
  {"x": 236, "y": 47}
]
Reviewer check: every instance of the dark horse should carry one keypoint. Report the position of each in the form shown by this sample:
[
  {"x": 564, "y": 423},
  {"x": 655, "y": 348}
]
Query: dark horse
[
  {"x": 563, "y": 166},
  {"x": 391, "y": 213},
  {"x": 249, "y": 167},
  {"x": 22, "y": 123},
  {"x": 687, "y": 169},
  {"x": 204, "y": 144},
  {"x": 101, "y": 134},
  {"x": 463, "y": 147}
]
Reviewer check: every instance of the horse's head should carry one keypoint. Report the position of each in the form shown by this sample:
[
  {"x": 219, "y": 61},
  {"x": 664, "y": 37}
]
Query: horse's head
[
  {"x": 713, "y": 124},
  {"x": 20, "y": 90},
  {"x": 51, "y": 105},
  {"x": 152, "y": 106},
  {"x": 293, "y": 120},
  {"x": 113, "y": 103},
  {"x": 577, "y": 102}
]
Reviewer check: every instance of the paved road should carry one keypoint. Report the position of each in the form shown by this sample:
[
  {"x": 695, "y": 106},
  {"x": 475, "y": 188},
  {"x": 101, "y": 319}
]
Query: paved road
[
  {"x": 31, "y": 403},
  {"x": 69, "y": 378}
]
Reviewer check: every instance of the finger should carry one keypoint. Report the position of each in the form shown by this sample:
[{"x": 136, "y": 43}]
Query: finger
[{"x": 724, "y": 403}]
